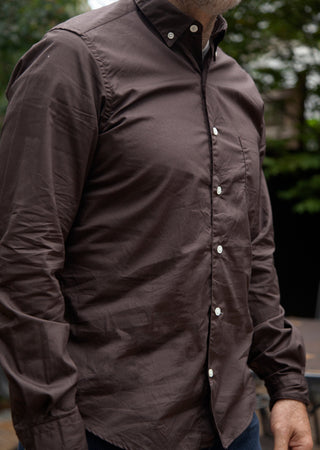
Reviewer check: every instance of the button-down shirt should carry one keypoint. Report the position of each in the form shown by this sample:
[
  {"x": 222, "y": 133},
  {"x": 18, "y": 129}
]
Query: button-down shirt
[{"x": 137, "y": 284}]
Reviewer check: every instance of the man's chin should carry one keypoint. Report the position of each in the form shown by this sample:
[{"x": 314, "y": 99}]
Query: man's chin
[{"x": 215, "y": 7}]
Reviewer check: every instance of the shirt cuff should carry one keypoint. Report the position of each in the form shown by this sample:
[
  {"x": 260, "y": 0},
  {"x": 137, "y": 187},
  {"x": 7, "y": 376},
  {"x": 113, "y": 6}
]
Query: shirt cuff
[
  {"x": 64, "y": 433},
  {"x": 291, "y": 386}
]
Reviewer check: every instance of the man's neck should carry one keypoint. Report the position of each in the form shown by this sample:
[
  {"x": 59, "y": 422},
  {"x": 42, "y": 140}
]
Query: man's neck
[{"x": 206, "y": 19}]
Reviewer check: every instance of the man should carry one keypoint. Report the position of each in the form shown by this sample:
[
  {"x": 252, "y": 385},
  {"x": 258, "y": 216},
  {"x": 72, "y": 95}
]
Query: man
[{"x": 137, "y": 277}]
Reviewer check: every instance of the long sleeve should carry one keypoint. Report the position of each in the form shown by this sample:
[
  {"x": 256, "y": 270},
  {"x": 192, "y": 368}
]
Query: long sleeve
[
  {"x": 277, "y": 353},
  {"x": 48, "y": 140}
]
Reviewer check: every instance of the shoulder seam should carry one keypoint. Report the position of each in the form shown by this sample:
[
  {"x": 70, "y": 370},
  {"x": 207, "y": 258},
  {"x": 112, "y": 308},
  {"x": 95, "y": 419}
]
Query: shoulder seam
[
  {"x": 109, "y": 21},
  {"x": 103, "y": 71},
  {"x": 63, "y": 26}
]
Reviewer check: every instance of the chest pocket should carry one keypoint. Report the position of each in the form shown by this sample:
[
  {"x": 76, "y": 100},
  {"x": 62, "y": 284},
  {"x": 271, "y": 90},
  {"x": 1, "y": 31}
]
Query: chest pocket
[{"x": 251, "y": 156}]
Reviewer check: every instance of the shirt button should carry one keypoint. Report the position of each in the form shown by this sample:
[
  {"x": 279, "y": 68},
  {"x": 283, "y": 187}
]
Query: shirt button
[
  {"x": 220, "y": 249},
  {"x": 218, "y": 311},
  {"x": 215, "y": 131},
  {"x": 210, "y": 373},
  {"x": 219, "y": 190},
  {"x": 194, "y": 28},
  {"x": 170, "y": 35}
]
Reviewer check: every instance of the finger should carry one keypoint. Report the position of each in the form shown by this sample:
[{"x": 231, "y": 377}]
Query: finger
[{"x": 281, "y": 439}]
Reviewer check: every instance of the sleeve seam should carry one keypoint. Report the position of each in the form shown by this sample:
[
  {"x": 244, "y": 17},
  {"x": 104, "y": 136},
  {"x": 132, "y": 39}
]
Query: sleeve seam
[{"x": 105, "y": 113}]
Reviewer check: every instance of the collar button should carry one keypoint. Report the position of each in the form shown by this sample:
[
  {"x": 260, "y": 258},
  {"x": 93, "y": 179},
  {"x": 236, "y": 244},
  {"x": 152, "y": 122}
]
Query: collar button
[
  {"x": 194, "y": 28},
  {"x": 170, "y": 35}
]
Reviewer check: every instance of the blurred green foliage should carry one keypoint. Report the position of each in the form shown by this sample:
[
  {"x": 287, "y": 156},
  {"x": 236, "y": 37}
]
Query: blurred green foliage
[
  {"x": 278, "y": 43},
  {"x": 24, "y": 22}
]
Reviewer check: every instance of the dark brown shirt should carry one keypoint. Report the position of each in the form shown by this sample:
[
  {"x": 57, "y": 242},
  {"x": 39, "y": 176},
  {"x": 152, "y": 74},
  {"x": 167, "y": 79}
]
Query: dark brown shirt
[{"x": 137, "y": 284}]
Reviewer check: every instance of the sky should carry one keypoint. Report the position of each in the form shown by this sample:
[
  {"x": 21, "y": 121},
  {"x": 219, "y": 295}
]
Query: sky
[{"x": 98, "y": 3}]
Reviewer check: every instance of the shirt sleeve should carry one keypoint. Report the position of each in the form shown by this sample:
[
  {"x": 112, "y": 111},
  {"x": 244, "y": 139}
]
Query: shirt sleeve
[
  {"x": 48, "y": 140},
  {"x": 277, "y": 352}
]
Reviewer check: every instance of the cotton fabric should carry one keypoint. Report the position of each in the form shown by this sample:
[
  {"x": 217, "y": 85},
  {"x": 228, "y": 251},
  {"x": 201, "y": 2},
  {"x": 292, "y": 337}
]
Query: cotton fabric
[{"x": 137, "y": 283}]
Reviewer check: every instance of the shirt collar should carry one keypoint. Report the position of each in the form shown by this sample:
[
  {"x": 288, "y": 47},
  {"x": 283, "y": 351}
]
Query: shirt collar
[{"x": 171, "y": 23}]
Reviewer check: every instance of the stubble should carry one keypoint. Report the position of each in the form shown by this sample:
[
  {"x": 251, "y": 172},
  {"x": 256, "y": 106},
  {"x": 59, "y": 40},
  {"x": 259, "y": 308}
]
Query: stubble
[{"x": 214, "y": 7}]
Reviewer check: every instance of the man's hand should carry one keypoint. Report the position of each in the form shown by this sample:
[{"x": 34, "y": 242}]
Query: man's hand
[{"x": 290, "y": 426}]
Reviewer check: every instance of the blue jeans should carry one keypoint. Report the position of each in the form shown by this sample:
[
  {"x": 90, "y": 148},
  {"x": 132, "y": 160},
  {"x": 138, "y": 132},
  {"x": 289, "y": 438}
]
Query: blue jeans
[{"x": 248, "y": 440}]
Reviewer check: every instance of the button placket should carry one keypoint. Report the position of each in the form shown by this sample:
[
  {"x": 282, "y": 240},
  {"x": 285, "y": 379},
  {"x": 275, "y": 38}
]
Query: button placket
[{"x": 216, "y": 316}]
